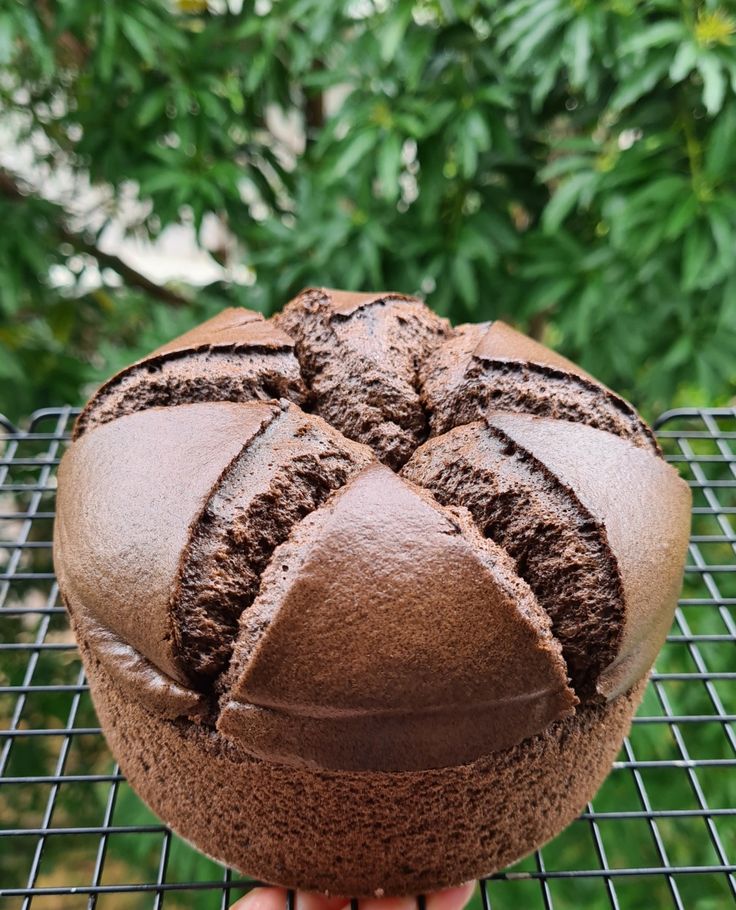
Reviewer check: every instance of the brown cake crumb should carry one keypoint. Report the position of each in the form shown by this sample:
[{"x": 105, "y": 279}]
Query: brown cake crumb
[{"x": 360, "y": 355}]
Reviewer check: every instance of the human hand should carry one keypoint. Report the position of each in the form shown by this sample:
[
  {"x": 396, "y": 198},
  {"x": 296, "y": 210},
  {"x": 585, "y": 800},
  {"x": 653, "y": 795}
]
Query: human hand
[{"x": 267, "y": 898}]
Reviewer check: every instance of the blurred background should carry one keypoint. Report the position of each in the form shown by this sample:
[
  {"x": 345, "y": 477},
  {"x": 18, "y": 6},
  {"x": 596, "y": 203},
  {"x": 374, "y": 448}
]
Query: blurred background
[{"x": 566, "y": 165}]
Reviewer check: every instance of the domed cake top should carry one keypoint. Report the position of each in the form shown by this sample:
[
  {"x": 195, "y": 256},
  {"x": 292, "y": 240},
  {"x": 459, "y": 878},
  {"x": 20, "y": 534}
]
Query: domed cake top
[{"x": 352, "y": 536}]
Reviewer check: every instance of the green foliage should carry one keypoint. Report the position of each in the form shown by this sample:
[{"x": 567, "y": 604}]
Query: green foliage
[{"x": 567, "y": 165}]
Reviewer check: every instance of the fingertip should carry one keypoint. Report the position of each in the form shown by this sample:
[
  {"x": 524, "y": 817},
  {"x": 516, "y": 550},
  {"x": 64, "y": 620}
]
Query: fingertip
[
  {"x": 450, "y": 898},
  {"x": 262, "y": 898},
  {"x": 268, "y": 898},
  {"x": 309, "y": 900},
  {"x": 386, "y": 903}
]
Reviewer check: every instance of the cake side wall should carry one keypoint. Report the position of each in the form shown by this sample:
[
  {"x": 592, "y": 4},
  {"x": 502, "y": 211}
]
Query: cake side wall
[{"x": 355, "y": 833}]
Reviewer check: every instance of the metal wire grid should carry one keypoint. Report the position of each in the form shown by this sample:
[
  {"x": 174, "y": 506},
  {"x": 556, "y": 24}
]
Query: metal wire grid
[{"x": 660, "y": 833}]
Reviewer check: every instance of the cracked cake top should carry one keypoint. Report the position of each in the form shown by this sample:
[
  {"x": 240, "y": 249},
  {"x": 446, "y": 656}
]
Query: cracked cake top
[{"x": 355, "y": 537}]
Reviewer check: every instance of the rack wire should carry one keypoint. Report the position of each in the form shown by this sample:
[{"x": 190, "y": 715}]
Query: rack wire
[{"x": 660, "y": 833}]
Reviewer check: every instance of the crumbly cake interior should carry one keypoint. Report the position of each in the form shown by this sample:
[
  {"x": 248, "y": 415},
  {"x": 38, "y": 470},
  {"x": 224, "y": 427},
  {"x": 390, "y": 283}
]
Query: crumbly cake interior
[{"x": 363, "y": 368}]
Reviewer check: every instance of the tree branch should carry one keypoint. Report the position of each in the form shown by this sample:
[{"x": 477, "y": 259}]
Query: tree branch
[
  {"x": 314, "y": 109},
  {"x": 10, "y": 189}
]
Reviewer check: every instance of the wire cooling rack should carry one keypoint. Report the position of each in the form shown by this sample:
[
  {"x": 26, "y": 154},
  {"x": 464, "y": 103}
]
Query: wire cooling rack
[{"x": 660, "y": 833}]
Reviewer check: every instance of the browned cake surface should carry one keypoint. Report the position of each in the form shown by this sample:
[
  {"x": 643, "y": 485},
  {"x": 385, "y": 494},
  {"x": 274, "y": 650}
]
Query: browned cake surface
[{"x": 354, "y": 557}]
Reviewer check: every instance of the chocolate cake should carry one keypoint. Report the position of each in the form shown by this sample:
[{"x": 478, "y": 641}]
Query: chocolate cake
[{"x": 366, "y": 603}]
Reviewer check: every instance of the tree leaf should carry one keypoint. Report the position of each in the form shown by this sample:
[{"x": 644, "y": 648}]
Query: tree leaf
[
  {"x": 639, "y": 82},
  {"x": 565, "y": 164},
  {"x": 564, "y": 199},
  {"x": 522, "y": 20},
  {"x": 529, "y": 44},
  {"x": 157, "y": 181},
  {"x": 660, "y": 34},
  {"x": 106, "y": 52},
  {"x": 714, "y": 82},
  {"x": 578, "y": 37},
  {"x": 544, "y": 80},
  {"x": 393, "y": 32},
  {"x": 684, "y": 61},
  {"x": 549, "y": 294},
  {"x": 681, "y": 217},
  {"x": 467, "y": 154},
  {"x": 352, "y": 152},
  {"x": 464, "y": 279},
  {"x": 7, "y": 39},
  {"x": 256, "y": 71},
  {"x": 140, "y": 38},
  {"x": 498, "y": 95},
  {"x": 696, "y": 254},
  {"x": 678, "y": 354},
  {"x": 151, "y": 108},
  {"x": 727, "y": 311},
  {"x": 724, "y": 236},
  {"x": 388, "y": 165},
  {"x": 719, "y": 148}
]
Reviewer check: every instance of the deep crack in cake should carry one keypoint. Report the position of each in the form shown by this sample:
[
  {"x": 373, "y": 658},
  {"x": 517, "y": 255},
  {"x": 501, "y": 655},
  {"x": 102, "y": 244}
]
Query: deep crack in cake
[{"x": 366, "y": 603}]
